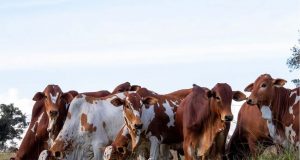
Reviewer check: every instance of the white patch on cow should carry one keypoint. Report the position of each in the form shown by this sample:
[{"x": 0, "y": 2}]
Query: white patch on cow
[
  {"x": 148, "y": 115},
  {"x": 290, "y": 133},
  {"x": 136, "y": 113},
  {"x": 33, "y": 128},
  {"x": 154, "y": 147},
  {"x": 297, "y": 99},
  {"x": 51, "y": 123},
  {"x": 266, "y": 113},
  {"x": 86, "y": 145},
  {"x": 54, "y": 97},
  {"x": 125, "y": 131},
  {"x": 190, "y": 152},
  {"x": 50, "y": 141},
  {"x": 107, "y": 152},
  {"x": 43, "y": 155},
  {"x": 38, "y": 121},
  {"x": 271, "y": 128},
  {"x": 170, "y": 113}
]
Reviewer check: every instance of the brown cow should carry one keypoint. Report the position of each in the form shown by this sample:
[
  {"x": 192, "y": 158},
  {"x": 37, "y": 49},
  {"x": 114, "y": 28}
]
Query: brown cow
[
  {"x": 280, "y": 106},
  {"x": 250, "y": 135},
  {"x": 205, "y": 120},
  {"x": 50, "y": 106}
]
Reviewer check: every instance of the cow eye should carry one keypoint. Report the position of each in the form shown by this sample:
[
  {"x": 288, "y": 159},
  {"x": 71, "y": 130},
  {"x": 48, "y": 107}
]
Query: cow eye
[
  {"x": 218, "y": 98},
  {"x": 263, "y": 85},
  {"x": 127, "y": 106}
]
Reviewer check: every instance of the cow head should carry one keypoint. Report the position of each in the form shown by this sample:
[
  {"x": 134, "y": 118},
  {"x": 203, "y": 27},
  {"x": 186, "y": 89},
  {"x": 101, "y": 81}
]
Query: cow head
[
  {"x": 132, "y": 108},
  {"x": 222, "y": 95},
  {"x": 262, "y": 90},
  {"x": 54, "y": 101}
]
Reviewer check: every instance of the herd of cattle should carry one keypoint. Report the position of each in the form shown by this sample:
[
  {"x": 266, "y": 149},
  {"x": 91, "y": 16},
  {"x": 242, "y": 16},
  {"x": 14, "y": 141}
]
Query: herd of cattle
[{"x": 132, "y": 122}]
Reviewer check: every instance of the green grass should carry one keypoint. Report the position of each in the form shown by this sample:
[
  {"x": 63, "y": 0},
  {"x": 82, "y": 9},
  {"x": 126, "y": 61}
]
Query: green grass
[
  {"x": 284, "y": 154},
  {"x": 6, "y": 156}
]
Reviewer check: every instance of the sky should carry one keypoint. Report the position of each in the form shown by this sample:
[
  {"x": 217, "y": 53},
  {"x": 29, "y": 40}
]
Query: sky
[{"x": 164, "y": 45}]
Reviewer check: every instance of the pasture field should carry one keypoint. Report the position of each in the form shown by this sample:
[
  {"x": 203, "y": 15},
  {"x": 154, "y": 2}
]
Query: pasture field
[{"x": 285, "y": 155}]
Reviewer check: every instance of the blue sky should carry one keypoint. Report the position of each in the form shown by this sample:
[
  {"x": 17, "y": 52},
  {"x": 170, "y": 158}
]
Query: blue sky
[{"x": 164, "y": 45}]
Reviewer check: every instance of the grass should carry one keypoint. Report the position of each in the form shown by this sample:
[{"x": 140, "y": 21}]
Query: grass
[
  {"x": 6, "y": 155},
  {"x": 283, "y": 154}
]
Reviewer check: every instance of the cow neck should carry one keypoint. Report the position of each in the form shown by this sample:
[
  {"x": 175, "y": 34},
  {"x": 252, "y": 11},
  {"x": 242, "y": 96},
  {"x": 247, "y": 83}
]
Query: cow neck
[
  {"x": 204, "y": 120},
  {"x": 279, "y": 106}
]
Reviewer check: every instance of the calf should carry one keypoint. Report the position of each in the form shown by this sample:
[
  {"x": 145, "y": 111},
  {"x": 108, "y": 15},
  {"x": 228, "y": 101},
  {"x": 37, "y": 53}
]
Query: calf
[
  {"x": 279, "y": 106},
  {"x": 205, "y": 116},
  {"x": 250, "y": 135}
]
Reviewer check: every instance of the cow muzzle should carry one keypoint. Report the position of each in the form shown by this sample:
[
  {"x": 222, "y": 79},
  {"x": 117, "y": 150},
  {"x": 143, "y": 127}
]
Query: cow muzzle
[
  {"x": 228, "y": 118},
  {"x": 138, "y": 126}
]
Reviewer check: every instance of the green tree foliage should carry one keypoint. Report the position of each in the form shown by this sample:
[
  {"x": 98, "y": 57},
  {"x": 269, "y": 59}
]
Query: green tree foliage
[
  {"x": 294, "y": 61},
  {"x": 12, "y": 123}
]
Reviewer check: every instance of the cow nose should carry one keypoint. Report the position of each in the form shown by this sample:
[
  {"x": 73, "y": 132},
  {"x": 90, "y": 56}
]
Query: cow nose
[
  {"x": 138, "y": 126},
  {"x": 228, "y": 117},
  {"x": 53, "y": 113}
]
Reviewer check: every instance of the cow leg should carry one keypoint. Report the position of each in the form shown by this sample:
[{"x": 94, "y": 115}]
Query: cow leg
[
  {"x": 164, "y": 151},
  {"x": 154, "y": 148},
  {"x": 252, "y": 145}
]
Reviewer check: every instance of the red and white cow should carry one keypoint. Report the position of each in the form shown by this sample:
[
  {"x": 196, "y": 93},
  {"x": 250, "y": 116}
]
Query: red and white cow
[
  {"x": 250, "y": 136},
  {"x": 205, "y": 117},
  {"x": 51, "y": 108},
  {"x": 162, "y": 118},
  {"x": 91, "y": 124},
  {"x": 158, "y": 117},
  {"x": 279, "y": 106},
  {"x": 48, "y": 114}
]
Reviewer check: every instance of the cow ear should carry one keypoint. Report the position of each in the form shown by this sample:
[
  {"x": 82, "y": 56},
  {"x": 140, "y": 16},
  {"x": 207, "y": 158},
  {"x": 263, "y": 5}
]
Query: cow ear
[
  {"x": 68, "y": 97},
  {"x": 279, "y": 82},
  {"x": 210, "y": 93},
  {"x": 117, "y": 102},
  {"x": 135, "y": 87},
  {"x": 150, "y": 100},
  {"x": 239, "y": 96},
  {"x": 38, "y": 96},
  {"x": 73, "y": 93},
  {"x": 249, "y": 88}
]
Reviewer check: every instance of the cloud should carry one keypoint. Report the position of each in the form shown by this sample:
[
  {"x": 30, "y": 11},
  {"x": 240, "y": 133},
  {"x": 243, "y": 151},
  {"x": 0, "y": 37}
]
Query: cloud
[
  {"x": 18, "y": 4},
  {"x": 14, "y": 96},
  {"x": 174, "y": 55}
]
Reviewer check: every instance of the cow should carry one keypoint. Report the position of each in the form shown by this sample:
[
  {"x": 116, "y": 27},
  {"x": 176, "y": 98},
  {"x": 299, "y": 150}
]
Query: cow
[
  {"x": 50, "y": 108},
  {"x": 205, "y": 117},
  {"x": 162, "y": 118},
  {"x": 279, "y": 106},
  {"x": 250, "y": 136},
  {"x": 91, "y": 124},
  {"x": 158, "y": 117},
  {"x": 47, "y": 118}
]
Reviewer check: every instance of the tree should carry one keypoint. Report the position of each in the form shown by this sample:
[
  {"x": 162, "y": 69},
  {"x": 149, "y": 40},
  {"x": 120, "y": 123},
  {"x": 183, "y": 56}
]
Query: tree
[
  {"x": 294, "y": 61},
  {"x": 12, "y": 124}
]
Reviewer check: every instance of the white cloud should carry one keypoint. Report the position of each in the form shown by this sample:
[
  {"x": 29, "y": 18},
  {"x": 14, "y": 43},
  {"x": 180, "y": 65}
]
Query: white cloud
[
  {"x": 174, "y": 55},
  {"x": 13, "y": 4},
  {"x": 14, "y": 96}
]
